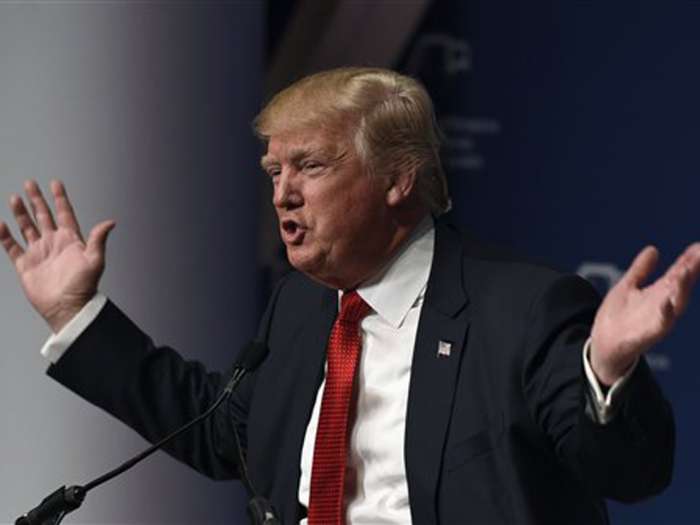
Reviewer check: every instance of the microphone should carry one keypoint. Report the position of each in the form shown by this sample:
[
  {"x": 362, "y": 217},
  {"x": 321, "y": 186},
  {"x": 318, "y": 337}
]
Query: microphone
[
  {"x": 251, "y": 356},
  {"x": 54, "y": 507},
  {"x": 249, "y": 359}
]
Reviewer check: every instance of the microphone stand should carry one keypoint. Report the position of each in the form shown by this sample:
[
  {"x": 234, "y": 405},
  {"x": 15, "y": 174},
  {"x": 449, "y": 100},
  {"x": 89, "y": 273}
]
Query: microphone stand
[
  {"x": 260, "y": 511},
  {"x": 62, "y": 501}
]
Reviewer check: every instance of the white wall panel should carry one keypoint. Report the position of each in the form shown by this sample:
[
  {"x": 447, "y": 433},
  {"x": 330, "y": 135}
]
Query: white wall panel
[{"x": 143, "y": 109}]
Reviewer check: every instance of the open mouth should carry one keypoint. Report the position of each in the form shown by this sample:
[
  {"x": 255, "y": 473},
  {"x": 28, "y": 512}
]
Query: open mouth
[{"x": 292, "y": 232}]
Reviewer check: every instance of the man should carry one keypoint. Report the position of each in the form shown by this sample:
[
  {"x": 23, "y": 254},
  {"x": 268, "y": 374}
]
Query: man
[{"x": 414, "y": 375}]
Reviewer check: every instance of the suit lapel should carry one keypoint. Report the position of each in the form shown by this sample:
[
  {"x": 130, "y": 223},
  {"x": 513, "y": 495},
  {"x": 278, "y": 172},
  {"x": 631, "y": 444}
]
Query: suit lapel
[{"x": 444, "y": 319}]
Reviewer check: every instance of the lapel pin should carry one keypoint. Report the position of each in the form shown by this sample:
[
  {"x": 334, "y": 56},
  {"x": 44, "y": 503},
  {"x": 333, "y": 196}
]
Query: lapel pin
[{"x": 444, "y": 349}]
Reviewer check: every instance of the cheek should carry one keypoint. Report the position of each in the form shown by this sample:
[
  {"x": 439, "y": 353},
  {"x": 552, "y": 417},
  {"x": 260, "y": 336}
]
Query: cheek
[
  {"x": 343, "y": 213},
  {"x": 339, "y": 220}
]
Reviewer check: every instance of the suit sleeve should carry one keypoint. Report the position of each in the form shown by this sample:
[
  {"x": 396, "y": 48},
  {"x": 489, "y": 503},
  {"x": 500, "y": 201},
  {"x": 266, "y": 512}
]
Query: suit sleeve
[
  {"x": 153, "y": 390},
  {"x": 630, "y": 458}
]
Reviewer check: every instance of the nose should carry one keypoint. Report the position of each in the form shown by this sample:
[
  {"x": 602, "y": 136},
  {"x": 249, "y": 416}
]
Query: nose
[{"x": 286, "y": 193}]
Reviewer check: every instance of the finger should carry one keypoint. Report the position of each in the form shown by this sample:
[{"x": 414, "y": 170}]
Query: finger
[
  {"x": 13, "y": 250},
  {"x": 42, "y": 212},
  {"x": 685, "y": 268},
  {"x": 64, "y": 209},
  {"x": 642, "y": 266},
  {"x": 691, "y": 258},
  {"x": 681, "y": 277},
  {"x": 97, "y": 241},
  {"x": 26, "y": 225}
]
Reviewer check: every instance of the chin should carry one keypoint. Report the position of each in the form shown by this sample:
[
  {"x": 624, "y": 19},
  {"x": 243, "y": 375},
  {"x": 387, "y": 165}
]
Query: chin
[
  {"x": 302, "y": 260},
  {"x": 313, "y": 265}
]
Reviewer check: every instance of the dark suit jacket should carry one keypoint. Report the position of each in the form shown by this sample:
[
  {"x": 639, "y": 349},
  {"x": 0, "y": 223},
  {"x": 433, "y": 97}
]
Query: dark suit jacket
[{"x": 495, "y": 433}]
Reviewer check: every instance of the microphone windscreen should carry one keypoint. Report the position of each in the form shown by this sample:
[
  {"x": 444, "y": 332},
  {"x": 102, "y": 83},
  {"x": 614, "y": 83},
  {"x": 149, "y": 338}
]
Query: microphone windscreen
[{"x": 251, "y": 355}]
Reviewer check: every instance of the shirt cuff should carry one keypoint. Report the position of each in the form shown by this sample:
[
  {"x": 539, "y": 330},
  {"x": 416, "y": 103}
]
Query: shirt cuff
[
  {"x": 57, "y": 344},
  {"x": 601, "y": 406}
]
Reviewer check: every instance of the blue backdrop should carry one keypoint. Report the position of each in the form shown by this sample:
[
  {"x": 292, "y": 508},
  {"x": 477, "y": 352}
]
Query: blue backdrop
[{"x": 571, "y": 131}]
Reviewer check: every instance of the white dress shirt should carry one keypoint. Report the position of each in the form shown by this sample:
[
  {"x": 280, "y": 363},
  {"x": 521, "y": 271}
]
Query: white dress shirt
[{"x": 376, "y": 488}]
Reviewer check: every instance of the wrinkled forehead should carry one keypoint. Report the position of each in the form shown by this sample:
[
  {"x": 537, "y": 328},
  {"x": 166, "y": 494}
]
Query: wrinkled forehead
[{"x": 290, "y": 145}]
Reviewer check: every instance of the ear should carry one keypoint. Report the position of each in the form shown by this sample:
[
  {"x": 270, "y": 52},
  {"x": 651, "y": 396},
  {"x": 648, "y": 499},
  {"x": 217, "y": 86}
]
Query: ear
[{"x": 401, "y": 186}]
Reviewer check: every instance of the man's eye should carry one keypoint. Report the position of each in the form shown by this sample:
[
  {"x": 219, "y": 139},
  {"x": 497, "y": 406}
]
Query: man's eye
[
  {"x": 273, "y": 173},
  {"x": 311, "y": 165}
]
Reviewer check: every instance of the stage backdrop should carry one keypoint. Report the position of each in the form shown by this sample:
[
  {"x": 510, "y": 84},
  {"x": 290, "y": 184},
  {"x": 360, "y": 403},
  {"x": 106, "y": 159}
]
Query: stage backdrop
[
  {"x": 571, "y": 136},
  {"x": 144, "y": 110}
]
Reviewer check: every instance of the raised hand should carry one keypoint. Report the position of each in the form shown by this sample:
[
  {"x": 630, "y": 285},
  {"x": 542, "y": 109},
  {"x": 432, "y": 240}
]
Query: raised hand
[
  {"x": 634, "y": 317},
  {"x": 58, "y": 270}
]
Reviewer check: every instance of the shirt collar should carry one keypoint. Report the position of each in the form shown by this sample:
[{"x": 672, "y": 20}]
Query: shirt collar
[{"x": 403, "y": 281}]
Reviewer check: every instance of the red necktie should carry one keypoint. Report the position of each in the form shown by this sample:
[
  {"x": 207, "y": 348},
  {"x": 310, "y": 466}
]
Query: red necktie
[{"x": 331, "y": 447}]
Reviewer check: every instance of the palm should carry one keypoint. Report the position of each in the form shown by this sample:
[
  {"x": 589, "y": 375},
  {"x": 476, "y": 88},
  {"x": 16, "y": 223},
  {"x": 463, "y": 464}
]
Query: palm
[
  {"x": 56, "y": 267},
  {"x": 633, "y": 317},
  {"x": 58, "y": 270}
]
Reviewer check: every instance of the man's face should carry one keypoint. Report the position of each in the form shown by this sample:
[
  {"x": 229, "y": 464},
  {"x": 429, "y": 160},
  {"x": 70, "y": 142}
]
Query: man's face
[{"x": 333, "y": 215}]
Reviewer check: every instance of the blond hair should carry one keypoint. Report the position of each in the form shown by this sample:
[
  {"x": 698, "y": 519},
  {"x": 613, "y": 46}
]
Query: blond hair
[{"x": 389, "y": 116}]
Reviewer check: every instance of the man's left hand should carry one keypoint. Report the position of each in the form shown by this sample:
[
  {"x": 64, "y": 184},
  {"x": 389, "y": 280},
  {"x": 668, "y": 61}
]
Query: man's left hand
[{"x": 634, "y": 317}]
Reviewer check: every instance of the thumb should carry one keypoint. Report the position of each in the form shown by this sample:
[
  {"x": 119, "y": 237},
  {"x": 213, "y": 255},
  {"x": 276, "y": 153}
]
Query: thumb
[
  {"x": 642, "y": 266},
  {"x": 97, "y": 241}
]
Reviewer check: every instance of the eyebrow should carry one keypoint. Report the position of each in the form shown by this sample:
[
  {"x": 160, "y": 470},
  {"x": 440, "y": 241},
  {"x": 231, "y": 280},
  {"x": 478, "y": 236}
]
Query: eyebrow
[
  {"x": 266, "y": 161},
  {"x": 297, "y": 154}
]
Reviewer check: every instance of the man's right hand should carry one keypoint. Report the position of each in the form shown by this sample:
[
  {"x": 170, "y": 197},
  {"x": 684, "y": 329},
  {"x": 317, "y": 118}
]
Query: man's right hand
[{"x": 58, "y": 270}]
